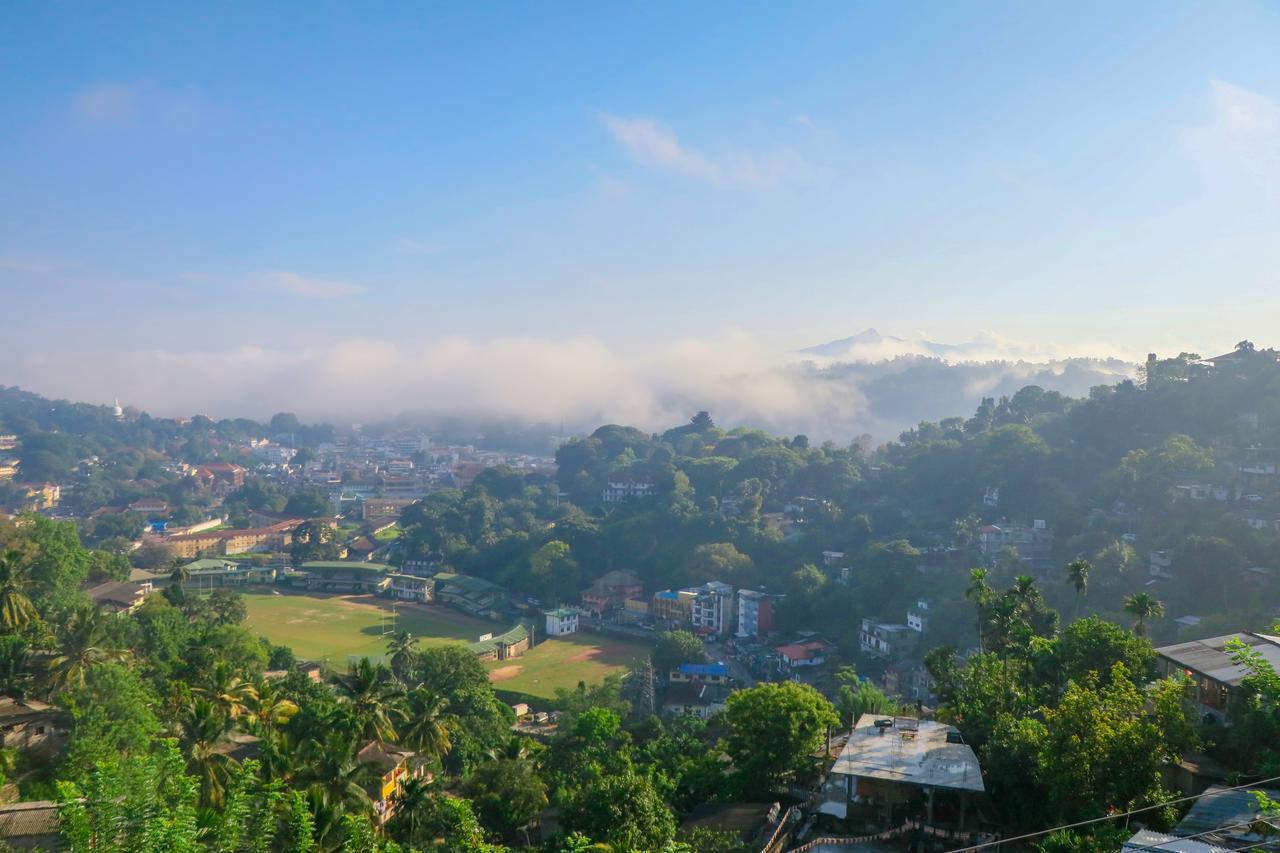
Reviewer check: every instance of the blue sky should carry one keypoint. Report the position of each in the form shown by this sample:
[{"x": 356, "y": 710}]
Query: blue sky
[{"x": 213, "y": 183}]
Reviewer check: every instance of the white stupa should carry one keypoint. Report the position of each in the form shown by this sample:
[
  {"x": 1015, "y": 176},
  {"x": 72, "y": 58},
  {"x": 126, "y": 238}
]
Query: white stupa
[{"x": 117, "y": 411}]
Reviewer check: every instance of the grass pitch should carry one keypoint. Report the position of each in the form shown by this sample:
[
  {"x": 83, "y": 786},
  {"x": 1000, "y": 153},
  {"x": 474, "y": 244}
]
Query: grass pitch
[{"x": 335, "y": 628}]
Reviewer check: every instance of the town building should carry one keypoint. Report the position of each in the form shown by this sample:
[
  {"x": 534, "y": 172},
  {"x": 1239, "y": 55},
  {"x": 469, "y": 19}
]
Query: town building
[
  {"x": 561, "y": 621},
  {"x": 806, "y": 653},
  {"x": 755, "y": 613},
  {"x": 150, "y": 506},
  {"x": 31, "y": 825},
  {"x": 222, "y": 477},
  {"x": 392, "y": 767},
  {"x": 888, "y": 760},
  {"x": 8, "y": 470},
  {"x": 471, "y": 595},
  {"x": 711, "y": 611},
  {"x": 28, "y": 725},
  {"x": 412, "y": 588},
  {"x": 672, "y": 607},
  {"x": 698, "y": 699},
  {"x": 208, "y": 574},
  {"x": 1218, "y": 680},
  {"x": 121, "y": 596},
  {"x": 40, "y": 496},
  {"x": 700, "y": 673},
  {"x": 918, "y": 616},
  {"x": 1033, "y": 545},
  {"x": 884, "y": 639},
  {"x": 512, "y": 643},
  {"x": 212, "y": 543},
  {"x": 611, "y": 590},
  {"x": 343, "y": 576},
  {"x": 619, "y": 489}
]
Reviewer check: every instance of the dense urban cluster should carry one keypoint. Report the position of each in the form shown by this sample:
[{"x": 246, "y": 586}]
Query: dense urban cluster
[{"x": 1052, "y": 611}]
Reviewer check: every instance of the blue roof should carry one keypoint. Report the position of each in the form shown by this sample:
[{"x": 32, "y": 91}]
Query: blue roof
[
  {"x": 666, "y": 593},
  {"x": 704, "y": 669}
]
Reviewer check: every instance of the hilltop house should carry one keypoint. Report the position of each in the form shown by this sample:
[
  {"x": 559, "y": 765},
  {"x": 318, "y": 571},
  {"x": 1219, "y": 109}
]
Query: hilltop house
[{"x": 619, "y": 489}]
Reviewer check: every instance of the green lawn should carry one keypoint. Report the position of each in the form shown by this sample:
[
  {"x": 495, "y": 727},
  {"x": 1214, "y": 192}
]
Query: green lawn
[
  {"x": 563, "y": 662},
  {"x": 334, "y": 627}
]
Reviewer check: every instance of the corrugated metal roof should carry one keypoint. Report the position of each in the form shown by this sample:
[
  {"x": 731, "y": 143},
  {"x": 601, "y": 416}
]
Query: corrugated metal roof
[
  {"x": 922, "y": 756},
  {"x": 1220, "y": 807},
  {"x": 1209, "y": 656}
]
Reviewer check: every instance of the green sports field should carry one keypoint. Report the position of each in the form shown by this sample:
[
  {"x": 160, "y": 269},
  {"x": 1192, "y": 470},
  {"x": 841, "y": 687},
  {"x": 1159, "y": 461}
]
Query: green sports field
[
  {"x": 563, "y": 662},
  {"x": 334, "y": 628}
]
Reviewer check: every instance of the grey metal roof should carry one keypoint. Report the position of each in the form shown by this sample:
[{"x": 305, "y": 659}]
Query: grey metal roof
[
  {"x": 923, "y": 757},
  {"x": 1220, "y": 807},
  {"x": 1209, "y": 656},
  {"x": 1145, "y": 839}
]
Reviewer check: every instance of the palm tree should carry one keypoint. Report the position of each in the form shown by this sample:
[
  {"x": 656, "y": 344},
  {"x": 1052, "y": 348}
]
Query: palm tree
[
  {"x": 374, "y": 697},
  {"x": 83, "y": 646},
  {"x": 1025, "y": 592},
  {"x": 16, "y": 609},
  {"x": 204, "y": 727},
  {"x": 266, "y": 708},
  {"x": 179, "y": 572},
  {"x": 334, "y": 773},
  {"x": 410, "y": 808},
  {"x": 233, "y": 694},
  {"x": 1078, "y": 576},
  {"x": 979, "y": 592},
  {"x": 427, "y": 727},
  {"x": 1143, "y": 606},
  {"x": 403, "y": 654}
]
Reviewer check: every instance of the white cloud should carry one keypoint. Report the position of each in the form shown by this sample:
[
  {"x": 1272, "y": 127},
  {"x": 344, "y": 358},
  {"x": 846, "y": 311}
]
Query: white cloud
[
  {"x": 1244, "y": 131},
  {"x": 308, "y": 287},
  {"x": 116, "y": 103},
  {"x": 1245, "y": 114},
  {"x": 656, "y": 146},
  {"x": 108, "y": 103},
  {"x": 413, "y": 246}
]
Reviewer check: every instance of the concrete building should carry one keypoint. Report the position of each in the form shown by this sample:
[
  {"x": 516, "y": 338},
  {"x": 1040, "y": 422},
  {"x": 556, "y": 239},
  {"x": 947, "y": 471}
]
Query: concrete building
[
  {"x": 918, "y": 616},
  {"x": 619, "y": 489},
  {"x": 561, "y": 621},
  {"x": 711, "y": 611},
  {"x": 884, "y": 639},
  {"x": 700, "y": 673},
  {"x": 1033, "y": 545},
  {"x": 698, "y": 699},
  {"x": 887, "y": 761},
  {"x": 121, "y": 596},
  {"x": 611, "y": 591},
  {"x": 30, "y": 725},
  {"x": 412, "y": 588},
  {"x": 755, "y": 613},
  {"x": 392, "y": 767},
  {"x": 807, "y": 653},
  {"x": 512, "y": 643},
  {"x": 1218, "y": 679}
]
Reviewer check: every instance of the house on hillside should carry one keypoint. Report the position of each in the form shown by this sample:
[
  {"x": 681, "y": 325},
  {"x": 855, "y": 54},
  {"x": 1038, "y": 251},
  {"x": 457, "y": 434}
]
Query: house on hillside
[
  {"x": 619, "y": 489},
  {"x": 885, "y": 639},
  {"x": 1218, "y": 680},
  {"x": 888, "y": 761},
  {"x": 29, "y": 725},
  {"x": 806, "y": 653},
  {"x": 391, "y": 767},
  {"x": 121, "y": 596},
  {"x": 611, "y": 591}
]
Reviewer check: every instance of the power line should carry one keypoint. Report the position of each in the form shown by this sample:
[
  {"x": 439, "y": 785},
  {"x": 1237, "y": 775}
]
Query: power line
[
  {"x": 1215, "y": 831},
  {"x": 1092, "y": 821}
]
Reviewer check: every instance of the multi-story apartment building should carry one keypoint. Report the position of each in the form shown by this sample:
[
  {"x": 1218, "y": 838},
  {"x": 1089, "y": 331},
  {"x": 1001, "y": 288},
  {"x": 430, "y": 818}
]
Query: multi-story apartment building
[
  {"x": 755, "y": 613},
  {"x": 712, "y": 610}
]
